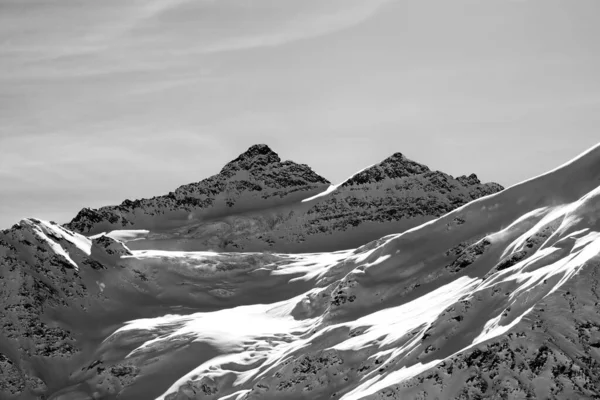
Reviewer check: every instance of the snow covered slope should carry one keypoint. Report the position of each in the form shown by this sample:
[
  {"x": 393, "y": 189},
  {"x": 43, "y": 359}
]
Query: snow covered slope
[
  {"x": 379, "y": 319},
  {"x": 497, "y": 297},
  {"x": 333, "y": 188}
]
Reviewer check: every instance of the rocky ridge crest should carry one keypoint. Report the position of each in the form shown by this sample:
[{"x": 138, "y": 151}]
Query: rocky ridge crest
[
  {"x": 256, "y": 175},
  {"x": 397, "y": 193}
]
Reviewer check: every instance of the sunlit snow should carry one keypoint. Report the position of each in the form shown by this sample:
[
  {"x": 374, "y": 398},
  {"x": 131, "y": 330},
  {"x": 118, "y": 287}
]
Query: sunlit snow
[
  {"x": 124, "y": 235},
  {"x": 333, "y": 188},
  {"x": 43, "y": 228}
]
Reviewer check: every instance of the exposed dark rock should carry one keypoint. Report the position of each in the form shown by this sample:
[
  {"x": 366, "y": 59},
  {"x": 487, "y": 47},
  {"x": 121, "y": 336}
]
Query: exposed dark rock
[
  {"x": 469, "y": 255},
  {"x": 110, "y": 246},
  {"x": 258, "y": 172},
  {"x": 396, "y": 189},
  {"x": 532, "y": 244},
  {"x": 11, "y": 380},
  {"x": 393, "y": 167}
]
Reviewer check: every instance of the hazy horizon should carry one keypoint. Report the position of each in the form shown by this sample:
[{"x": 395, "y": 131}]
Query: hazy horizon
[{"x": 110, "y": 100}]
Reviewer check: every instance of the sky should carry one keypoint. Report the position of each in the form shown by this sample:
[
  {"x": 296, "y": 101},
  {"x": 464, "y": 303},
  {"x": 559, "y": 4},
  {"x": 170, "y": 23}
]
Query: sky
[{"x": 106, "y": 100}]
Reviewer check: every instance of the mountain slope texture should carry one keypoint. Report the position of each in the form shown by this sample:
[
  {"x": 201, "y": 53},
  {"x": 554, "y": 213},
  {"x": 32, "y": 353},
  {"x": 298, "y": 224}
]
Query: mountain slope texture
[
  {"x": 485, "y": 293},
  {"x": 259, "y": 203}
]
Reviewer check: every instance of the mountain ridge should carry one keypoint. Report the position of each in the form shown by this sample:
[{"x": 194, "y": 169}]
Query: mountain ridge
[
  {"x": 287, "y": 224},
  {"x": 498, "y": 296},
  {"x": 259, "y": 170}
]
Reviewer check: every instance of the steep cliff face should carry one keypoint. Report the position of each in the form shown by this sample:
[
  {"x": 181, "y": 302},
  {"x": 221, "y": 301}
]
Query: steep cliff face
[{"x": 257, "y": 179}]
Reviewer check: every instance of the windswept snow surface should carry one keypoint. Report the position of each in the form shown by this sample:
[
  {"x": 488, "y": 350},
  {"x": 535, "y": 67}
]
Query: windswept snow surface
[
  {"x": 391, "y": 324},
  {"x": 256, "y": 339},
  {"x": 330, "y": 189},
  {"x": 81, "y": 242},
  {"x": 124, "y": 235},
  {"x": 50, "y": 233},
  {"x": 304, "y": 267}
]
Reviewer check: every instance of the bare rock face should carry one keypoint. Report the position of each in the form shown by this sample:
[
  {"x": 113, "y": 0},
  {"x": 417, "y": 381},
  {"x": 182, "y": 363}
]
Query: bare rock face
[
  {"x": 34, "y": 278},
  {"x": 259, "y": 169},
  {"x": 396, "y": 194},
  {"x": 256, "y": 179},
  {"x": 110, "y": 246},
  {"x": 394, "y": 167},
  {"x": 14, "y": 381},
  {"x": 394, "y": 190},
  {"x": 256, "y": 203}
]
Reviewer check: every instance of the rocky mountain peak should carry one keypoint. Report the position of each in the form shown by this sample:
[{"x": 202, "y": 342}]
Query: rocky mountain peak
[
  {"x": 396, "y": 156},
  {"x": 258, "y": 155},
  {"x": 259, "y": 149},
  {"x": 256, "y": 174},
  {"x": 393, "y": 167}
]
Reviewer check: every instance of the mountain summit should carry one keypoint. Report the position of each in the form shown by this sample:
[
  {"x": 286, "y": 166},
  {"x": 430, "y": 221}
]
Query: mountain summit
[
  {"x": 258, "y": 202},
  {"x": 259, "y": 155},
  {"x": 257, "y": 179},
  {"x": 394, "y": 167}
]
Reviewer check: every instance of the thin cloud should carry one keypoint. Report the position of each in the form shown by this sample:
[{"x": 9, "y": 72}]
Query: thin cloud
[
  {"x": 299, "y": 29},
  {"x": 129, "y": 38},
  {"x": 65, "y": 30}
]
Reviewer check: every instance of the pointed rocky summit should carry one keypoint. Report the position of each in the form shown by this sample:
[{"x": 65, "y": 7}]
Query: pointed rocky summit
[
  {"x": 257, "y": 156},
  {"x": 254, "y": 180}
]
